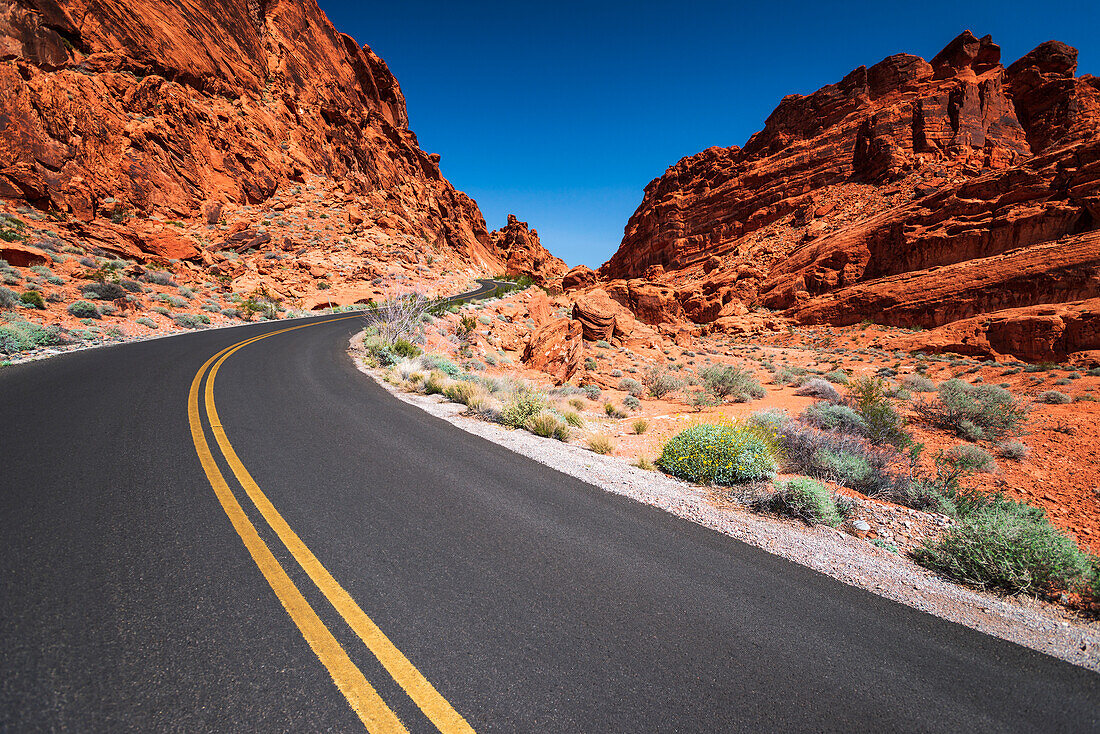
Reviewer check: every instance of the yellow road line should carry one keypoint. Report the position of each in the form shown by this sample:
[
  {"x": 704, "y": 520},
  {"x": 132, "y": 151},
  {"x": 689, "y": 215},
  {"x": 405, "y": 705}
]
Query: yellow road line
[
  {"x": 364, "y": 700},
  {"x": 438, "y": 710}
]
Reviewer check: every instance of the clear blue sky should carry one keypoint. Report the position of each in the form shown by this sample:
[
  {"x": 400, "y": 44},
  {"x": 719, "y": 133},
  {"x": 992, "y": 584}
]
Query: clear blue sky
[{"x": 562, "y": 112}]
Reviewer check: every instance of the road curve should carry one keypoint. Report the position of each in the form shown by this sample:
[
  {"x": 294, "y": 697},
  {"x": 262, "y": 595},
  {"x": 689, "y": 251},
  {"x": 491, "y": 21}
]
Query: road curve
[{"x": 526, "y": 599}]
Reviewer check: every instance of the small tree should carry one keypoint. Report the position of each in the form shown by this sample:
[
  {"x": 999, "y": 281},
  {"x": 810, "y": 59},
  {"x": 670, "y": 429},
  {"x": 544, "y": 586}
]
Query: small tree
[{"x": 399, "y": 317}]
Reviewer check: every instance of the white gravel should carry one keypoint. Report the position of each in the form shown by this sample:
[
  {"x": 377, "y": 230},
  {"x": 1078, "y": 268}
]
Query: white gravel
[{"x": 1039, "y": 625}]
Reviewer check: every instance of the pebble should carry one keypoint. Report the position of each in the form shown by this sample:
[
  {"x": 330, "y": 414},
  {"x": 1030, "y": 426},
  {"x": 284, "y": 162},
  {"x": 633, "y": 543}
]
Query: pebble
[{"x": 861, "y": 525}]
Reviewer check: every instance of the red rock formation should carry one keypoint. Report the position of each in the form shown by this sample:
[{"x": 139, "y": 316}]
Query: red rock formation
[
  {"x": 910, "y": 192},
  {"x": 579, "y": 276},
  {"x": 557, "y": 349},
  {"x": 172, "y": 107},
  {"x": 519, "y": 247}
]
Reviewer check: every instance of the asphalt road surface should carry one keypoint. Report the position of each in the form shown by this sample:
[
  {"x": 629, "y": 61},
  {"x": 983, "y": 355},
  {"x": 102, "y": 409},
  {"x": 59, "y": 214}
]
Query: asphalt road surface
[{"x": 285, "y": 547}]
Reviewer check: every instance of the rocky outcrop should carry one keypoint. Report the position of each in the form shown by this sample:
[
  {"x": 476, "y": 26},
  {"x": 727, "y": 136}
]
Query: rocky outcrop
[
  {"x": 910, "y": 193},
  {"x": 518, "y": 246},
  {"x": 580, "y": 276},
  {"x": 111, "y": 107},
  {"x": 556, "y": 348}
]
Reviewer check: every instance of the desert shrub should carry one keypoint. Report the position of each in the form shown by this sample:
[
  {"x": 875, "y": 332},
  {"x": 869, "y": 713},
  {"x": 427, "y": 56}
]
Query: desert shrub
[
  {"x": 130, "y": 285},
  {"x": 1050, "y": 397},
  {"x": 732, "y": 382},
  {"x": 639, "y": 426},
  {"x": 660, "y": 382},
  {"x": 434, "y": 383},
  {"x": 803, "y": 499},
  {"x": 821, "y": 454},
  {"x": 918, "y": 383},
  {"x": 147, "y": 322},
  {"x": 158, "y": 277},
  {"x": 632, "y": 402},
  {"x": 601, "y": 444},
  {"x": 592, "y": 392},
  {"x": 231, "y": 313},
  {"x": 459, "y": 392},
  {"x": 108, "y": 309},
  {"x": 726, "y": 453},
  {"x": 405, "y": 348},
  {"x": 644, "y": 464},
  {"x": 612, "y": 411},
  {"x": 704, "y": 399},
  {"x": 837, "y": 376},
  {"x": 590, "y": 364},
  {"x": 816, "y": 387},
  {"x": 834, "y": 417},
  {"x": 33, "y": 299},
  {"x": 870, "y": 398},
  {"x": 576, "y": 403},
  {"x": 379, "y": 353},
  {"x": 970, "y": 458},
  {"x": 522, "y": 407},
  {"x": 186, "y": 292},
  {"x": 573, "y": 418},
  {"x": 771, "y": 419},
  {"x": 83, "y": 310},
  {"x": 1002, "y": 547},
  {"x": 547, "y": 425},
  {"x": 8, "y": 298},
  {"x": 190, "y": 320},
  {"x": 105, "y": 291},
  {"x": 17, "y": 335},
  {"x": 632, "y": 386},
  {"x": 161, "y": 310},
  {"x": 1013, "y": 450},
  {"x": 990, "y": 409}
]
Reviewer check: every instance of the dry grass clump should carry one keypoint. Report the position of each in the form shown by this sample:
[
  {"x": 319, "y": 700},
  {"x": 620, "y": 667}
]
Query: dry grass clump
[{"x": 600, "y": 443}]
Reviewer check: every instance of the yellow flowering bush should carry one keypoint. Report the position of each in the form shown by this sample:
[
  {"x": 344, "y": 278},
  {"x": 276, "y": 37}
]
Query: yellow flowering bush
[{"x": 721, "y": 453}]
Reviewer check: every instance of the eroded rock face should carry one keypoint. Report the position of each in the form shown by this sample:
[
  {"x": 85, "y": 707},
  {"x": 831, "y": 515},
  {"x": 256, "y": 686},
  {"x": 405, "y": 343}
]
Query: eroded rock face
[
  {"x": 910, "y": 192},
  {"x": 518, "y": 246},
  {"x": 156, "y": 106}
]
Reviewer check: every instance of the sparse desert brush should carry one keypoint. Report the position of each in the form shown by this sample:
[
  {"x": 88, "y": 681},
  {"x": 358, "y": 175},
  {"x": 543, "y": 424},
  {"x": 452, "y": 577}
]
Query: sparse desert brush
[
  {"x": 611, "y": 411},
  {"x": 547, "y": 425},
  {"x": 632, "y": 402},
  {"x": 435, "y": 383},
  {"x": 600, "y": 443},
  {"x": 771, "y": 419},
  {"x": 643, "y": 463},
  {"x": 640, "y": 426},
  {"x": 803, "y": 499},
  {"x": 833, "y": 417},
  {"x": 659, "y": 382},
  {"x": 870, "y": 397},
  {"x": 838, "y": 376},
  {"x": 573, "y": 418},
  {"x": 631, "y": 386},
  {"x": 83, "y": 310},
  {"x": 1053, "y": 397},
  {"x": 1013, "y": 450},
  {"x": 459, "y": 392},
  {"x": 576, "y": 403},
  {"x": 817, "y": 387},
  {"x": 521, "y": 407},
  {"x": 721, "y": 453},
  {"x": 735, "y": 383},
  {"x": 974, "y": 411},
  {"x": 970, "y": 458}
]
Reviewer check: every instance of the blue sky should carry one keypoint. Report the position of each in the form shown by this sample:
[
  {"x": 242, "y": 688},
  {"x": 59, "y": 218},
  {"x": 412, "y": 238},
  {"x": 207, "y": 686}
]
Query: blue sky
[{"x": 562, "y": 112}]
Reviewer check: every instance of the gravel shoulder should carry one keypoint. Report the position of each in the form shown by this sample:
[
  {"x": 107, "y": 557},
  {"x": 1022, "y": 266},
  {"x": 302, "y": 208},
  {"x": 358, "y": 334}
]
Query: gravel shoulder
[{"x": 1032, "y": 623}]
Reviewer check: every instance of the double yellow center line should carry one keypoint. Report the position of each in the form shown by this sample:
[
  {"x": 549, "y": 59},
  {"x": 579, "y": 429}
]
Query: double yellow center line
[{"x": 361, "y": 695}]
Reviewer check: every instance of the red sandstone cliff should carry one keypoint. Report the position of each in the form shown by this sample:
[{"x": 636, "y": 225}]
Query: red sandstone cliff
[
  {"x": 519, "y": 247},
  {"x": 120, "y": 108},
  {"x": 910, "y": 193}
]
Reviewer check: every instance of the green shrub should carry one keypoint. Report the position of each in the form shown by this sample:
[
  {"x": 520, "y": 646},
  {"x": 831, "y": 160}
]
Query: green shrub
[
  {"x": 870, "y": 397},
  {"x": 8, "y": 298},
  {"x": 459, "y": 392},
  {"x": 33, "y": 299},
  {"x": 632, "y": 386},
  {"x": 405, "y": 348},
  {"x": 843, "y": 467},
  {"x": 146, "y": 321},
  {"x": 83, "y": 310},
  {"x": 837, "y": 376},
  {"x": 770, "y": 420},
  {"x": 1001, "y": 548},
  {"x": 970, "y": 458},
  {"x": 660, "y": 382},
  {"x": 573, "y": 418},
  {"x": 723, "y": 454},
  {"x": 158, "y": 277},
  {"x": 190, "y": 320},
  {"x": 613, "y": 412},
  {"x": 590, "y": 364},
  {"x": 434, "y": 383},
  {"x": 105, "y": 291},
  {"x": 444, "y": 365},
  {"x": 833, "y": 417},
  {"x": 996, "y": 412},
  {"x": 632, "y": 402},
  {"x": 640, "y": 426},
  {"x": 592, "y": 392},
  {"x": 704, "y": 399},
  {"x": 547, "y": 425},
  {"x": 522, "y": 407},
  {"x": 18, "y": 336},
  {"x": 732, "y": 382},
  {"x": 1050, "y": 397},
  {"x": 815, "y": 453},
  {"x": 803, "y": 499},
  {"x": 161, "y": 310}
]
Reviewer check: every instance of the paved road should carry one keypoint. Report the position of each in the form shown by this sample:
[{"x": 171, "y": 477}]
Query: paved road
[{"x": 520, "y": 599}]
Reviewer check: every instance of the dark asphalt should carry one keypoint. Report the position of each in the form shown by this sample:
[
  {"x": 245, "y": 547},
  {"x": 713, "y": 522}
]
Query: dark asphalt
[{"x": 532, "y": 601}]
